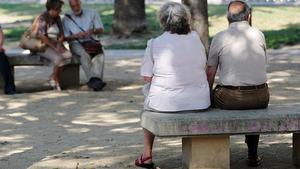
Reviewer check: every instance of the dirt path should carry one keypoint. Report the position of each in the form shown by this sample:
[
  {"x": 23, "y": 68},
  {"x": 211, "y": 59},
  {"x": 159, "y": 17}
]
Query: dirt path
[{"x": 77, "y": 128}]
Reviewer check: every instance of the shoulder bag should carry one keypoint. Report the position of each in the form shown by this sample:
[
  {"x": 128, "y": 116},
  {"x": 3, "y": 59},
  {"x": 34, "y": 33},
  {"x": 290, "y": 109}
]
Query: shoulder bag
[{"x": 29, "y": 41}]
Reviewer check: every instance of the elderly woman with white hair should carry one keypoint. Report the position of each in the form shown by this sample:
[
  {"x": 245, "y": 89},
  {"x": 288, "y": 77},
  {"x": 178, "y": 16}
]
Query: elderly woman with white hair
[{"x": 173, "y": 69}]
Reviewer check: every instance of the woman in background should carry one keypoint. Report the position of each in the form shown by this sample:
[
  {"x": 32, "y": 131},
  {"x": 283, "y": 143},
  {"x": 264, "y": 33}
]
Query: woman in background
[{"x": 48, "y": 28}]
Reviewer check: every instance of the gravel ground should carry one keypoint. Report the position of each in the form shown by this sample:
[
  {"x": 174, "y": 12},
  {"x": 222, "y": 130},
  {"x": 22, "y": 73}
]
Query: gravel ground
[{"x": 77, "y": 128}]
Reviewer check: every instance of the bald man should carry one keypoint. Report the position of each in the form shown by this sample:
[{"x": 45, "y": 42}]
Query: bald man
[
  {"x": 82, "y": 25},
  {"x": 240, "y": 54}
]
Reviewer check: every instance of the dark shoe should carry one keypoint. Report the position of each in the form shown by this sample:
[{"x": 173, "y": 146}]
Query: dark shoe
[
  {"x": 10, "y": 92},
  {"x": 90, "y": 82},
  {"x": 140, "y": 162},
  {"x": 96, "y": 84},
  {"x": 254, "y": 161},
  {"x": 100, "y": 86}
]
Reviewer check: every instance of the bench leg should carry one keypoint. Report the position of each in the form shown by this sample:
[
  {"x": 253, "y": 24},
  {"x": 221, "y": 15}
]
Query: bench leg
[
  {"x": 296, "y": 149},
  {"x": 70, "y": 76},
  {"x": 206, "y": 152}
]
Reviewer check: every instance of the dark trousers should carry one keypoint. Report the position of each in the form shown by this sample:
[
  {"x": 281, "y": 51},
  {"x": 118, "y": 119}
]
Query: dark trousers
[
  {"x": 9, "y": 85},
  {"x": 232, "y": 98}
]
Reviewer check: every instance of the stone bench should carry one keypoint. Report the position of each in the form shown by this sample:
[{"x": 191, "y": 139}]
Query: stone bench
[
  {"x": 205, "y": 135},
  {"x": 20, "y": 57}
]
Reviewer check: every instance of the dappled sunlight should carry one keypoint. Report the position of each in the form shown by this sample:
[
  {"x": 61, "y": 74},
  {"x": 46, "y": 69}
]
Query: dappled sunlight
[
  {"x": 279, "y": 98},
  {"x": 277, "y": 80},
  {"x": 79, "y": 161},
  {"x": 126, "y": 130},
  {"x": 107, "y": 12},
  {"x": 30, "y": 118},
  {"x": 24, "y": 115},
  {"x": 5, "y": 152},
  {"x": 279, "y": 73},
  {"x": 65, "y": 104},
  {"x": 176, "y": 142},
  {"x": 4, "y": 120},
  {"x": 132, "y": 87},
  {"x": 51, "y": 95},
  {"x": 111, "y": 104},
  {"x": 11, "y": 19},
  {"x": 14, "y": 138},
  {"x": 60, "y": 113},
  {"x": 77, "y": 130},
  {"x": 15, "y": 105},
  {"x": 84, "y": 156},
  {"x": 106, "y": 119},
  {"x": 293, "y": 88},
  {"x": 17, "y": 114},
  {"x": 131, "y": 62}
]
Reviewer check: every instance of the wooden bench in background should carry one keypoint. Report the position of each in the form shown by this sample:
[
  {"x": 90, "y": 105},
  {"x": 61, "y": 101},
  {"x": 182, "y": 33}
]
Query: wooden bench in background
[
  {"x": 205, "y": 135},
  {"x": 19, "y": 57}
]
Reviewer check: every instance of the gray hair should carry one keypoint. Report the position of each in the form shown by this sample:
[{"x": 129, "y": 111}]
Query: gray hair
[
  {"x": 242, "y": 15},
  {"x": 175, "y": 17}
]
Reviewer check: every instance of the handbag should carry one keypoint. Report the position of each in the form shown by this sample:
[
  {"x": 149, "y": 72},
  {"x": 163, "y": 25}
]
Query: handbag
[
  {"x": 93, "y": 47},
  {"x": 32, "y": 43}
]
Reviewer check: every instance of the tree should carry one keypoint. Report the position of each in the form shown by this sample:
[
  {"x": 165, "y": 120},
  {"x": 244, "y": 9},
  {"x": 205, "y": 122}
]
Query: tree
[
  {"x": 199, "y": 19},
  {"x": 129, "y": 17}
]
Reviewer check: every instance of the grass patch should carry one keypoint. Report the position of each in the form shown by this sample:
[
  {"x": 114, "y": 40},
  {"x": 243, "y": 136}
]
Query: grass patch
[
  {"x": 284, "y": 30},
  {"x": 288, "y": 36},
  {"x": 15, "y": 33}
]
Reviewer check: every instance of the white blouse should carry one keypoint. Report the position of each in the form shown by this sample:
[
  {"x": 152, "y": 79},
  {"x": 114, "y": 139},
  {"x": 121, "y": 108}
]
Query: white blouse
[{"x": 176, "y": 64}]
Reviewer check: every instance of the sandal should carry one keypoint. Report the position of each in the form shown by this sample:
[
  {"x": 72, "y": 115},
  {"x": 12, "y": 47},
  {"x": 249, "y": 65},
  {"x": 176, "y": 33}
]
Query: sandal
[{"x": 140, "y": 162}]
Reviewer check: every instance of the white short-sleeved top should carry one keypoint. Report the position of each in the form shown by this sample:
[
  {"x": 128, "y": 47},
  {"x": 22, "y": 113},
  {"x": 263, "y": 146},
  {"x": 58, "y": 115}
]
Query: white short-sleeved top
[
  {"x": 89, "y": 19},
  {"x": 178, "y": 73}
]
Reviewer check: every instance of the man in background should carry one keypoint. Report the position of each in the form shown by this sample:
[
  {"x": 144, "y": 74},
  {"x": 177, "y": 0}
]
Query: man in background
[{"x": 82, "y": 25}]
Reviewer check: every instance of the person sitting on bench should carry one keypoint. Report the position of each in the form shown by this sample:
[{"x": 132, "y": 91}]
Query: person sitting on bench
[
  {"x": 174, "y": 70},
  {"x": 9, "y": 85},
  {"x": 240, "y": 52},
  {"x": 49, "y": 29},
  {"x": 81, "y": 27}
]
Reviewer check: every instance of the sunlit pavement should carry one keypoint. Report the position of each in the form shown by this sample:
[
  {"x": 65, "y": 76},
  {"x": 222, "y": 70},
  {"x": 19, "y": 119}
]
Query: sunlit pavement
[{"x": 41, "y": 128}]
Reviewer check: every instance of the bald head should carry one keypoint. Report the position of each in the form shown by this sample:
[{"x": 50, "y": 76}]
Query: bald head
[
  {"x": 238, "y": 11},
  {"x": 75, "y": 6},
  {"x": 236, "y": 7}
]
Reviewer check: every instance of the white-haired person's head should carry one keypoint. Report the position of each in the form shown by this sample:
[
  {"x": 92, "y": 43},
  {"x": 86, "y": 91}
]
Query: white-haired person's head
[{"x": 175, "y": 18}]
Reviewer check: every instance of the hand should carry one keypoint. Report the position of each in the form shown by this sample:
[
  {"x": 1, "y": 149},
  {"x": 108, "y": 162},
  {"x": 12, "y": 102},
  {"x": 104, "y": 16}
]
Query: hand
[
  {"x": 147, "y": 79},
  {"x": 2, "y": 49},
  {"x": 61, "y": 39},
  {"x": 60, "y": 50},
  {"x": 82, "y": 35}
]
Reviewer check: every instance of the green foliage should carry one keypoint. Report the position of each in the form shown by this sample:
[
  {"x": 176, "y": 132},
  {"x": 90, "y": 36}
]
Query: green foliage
[
  {"x": 287, "y": 36},
  {"x": 15, "y": 33},
  {"x": 281, "y": 25}
]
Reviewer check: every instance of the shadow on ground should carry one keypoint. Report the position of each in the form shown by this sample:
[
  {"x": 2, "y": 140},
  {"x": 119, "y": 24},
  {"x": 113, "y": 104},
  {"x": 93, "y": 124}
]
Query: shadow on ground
[{"x": 79, "y": 128}]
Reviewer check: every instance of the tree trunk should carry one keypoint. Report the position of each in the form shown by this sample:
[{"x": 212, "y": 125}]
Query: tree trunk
[
  {"x": 199, "y": 19},
  {"x": 129, "y": 17}
]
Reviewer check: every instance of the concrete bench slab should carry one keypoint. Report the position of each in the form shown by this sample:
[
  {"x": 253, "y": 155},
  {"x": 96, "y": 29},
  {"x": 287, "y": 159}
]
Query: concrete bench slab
[
  {"x": 20, "y": 57},
  {"x": 205, "y": 135}
]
